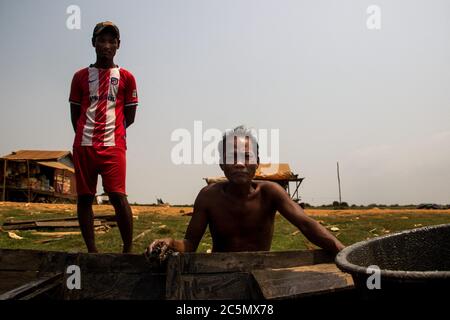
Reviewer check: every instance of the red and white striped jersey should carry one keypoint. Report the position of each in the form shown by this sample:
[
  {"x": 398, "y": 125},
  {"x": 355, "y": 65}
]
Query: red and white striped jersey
[{"x": 102, "y": 95}]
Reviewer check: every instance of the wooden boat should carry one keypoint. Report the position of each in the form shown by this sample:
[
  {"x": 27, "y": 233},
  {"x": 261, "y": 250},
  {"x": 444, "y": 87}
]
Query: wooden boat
[{"x": 31, "y": 274}]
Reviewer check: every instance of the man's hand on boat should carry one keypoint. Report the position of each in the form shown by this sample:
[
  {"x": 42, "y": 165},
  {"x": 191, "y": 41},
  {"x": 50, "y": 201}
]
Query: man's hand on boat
[{"x": 161, "y": 248}]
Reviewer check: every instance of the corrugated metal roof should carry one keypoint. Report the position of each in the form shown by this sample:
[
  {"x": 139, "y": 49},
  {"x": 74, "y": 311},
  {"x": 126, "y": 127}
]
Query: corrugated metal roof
[
  {"x": 57, "y": 165},
  {"x": 35, "y": 155}
]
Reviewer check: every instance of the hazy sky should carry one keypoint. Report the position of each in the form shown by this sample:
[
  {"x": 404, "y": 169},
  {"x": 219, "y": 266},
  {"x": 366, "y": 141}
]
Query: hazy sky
[{"x": 377, "y": 101}]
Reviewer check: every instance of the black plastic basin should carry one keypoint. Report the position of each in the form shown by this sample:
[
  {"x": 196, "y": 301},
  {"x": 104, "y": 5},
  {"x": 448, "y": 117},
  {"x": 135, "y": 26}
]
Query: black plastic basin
[{"x": 413, "y": 263}]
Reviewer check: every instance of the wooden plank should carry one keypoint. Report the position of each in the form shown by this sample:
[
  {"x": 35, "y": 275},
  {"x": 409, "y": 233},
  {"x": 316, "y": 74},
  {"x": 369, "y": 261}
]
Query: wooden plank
[
  {"x": 56, "y": 234},
  {"x": 12, "y": 221},
  {"x": 46, "y": 291},
  {"x": 35, "y": 260},
  {"x": 104, "y": 276},
  {"x": 24, "y": 226},
  {"x": 118, "y": 263},
  {"x": 50, "y": 224},
  {"x": 28, "y": 260},
  {"x": 53, "y": 261},
  {"x": 107, "y": 217},
  {"x": 118, "y": 286},
  {"x": 173, "y": 277},
  {"x": 218, "y": 286},
  {"x": 10, "y": 280},
  {"x": 302, "y": 281},
  {"x": 227, "y": 275},
  {"x": 29, "y": 289},
  {"x": 62, "y": 224},
  {"x": 248, "y": 261}
]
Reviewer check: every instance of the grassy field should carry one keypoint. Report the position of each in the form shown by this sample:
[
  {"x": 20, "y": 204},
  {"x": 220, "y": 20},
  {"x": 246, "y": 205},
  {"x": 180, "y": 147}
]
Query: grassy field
[{"x": 352, "y": 226}]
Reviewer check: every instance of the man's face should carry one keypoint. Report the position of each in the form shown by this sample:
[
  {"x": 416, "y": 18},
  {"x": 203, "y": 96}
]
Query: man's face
[
  {"x": 106, "y": 45},
  {"x": 240, "y": 160}
]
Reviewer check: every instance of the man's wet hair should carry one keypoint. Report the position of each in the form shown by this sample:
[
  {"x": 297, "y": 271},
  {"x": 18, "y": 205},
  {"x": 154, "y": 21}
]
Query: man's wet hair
[{"x": 239, "y": 131}]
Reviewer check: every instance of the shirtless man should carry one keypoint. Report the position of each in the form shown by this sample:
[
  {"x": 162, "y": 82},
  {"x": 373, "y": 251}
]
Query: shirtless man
[{"x": 241, "y": 212}]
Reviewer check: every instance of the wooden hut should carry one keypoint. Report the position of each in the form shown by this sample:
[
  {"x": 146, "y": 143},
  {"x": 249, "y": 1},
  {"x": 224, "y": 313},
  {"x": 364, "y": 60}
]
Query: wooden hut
[{"x": 38, "y": 176}]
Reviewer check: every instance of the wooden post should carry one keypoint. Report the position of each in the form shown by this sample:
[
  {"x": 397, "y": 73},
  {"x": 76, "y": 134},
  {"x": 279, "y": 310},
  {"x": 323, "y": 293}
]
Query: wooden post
[
  {"x": 339, "y": 183},
  {"x": 63, "y": 180},
  {"x": 4, "y": 180},
  {"x": 29, "y": 184},
  {"x": 289, "y": 190}
]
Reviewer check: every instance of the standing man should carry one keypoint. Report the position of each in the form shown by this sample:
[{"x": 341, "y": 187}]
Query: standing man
[{"x": 103, "y": 101}]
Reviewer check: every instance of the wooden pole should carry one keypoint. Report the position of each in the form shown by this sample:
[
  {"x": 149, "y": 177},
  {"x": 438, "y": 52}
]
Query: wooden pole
[
  {"x": 339, "y": 183},
  {"x": 289, "y": 190},
  {"x": 29, "y": 184},
  {"x": 4, "y": 180},
  {"x": 63, "y": 181}
]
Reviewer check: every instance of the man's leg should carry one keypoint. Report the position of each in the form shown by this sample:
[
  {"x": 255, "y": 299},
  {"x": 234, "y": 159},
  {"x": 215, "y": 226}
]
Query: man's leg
[
  {"x": 124, "y": 219},
  {"x": 86, "y": 220},
  {"x": 84, "y": 160}
]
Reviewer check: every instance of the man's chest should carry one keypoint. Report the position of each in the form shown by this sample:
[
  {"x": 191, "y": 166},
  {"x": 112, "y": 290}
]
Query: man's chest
[
  {"x": 228, "y": 216},
  {"x": 102, "y": 85}
]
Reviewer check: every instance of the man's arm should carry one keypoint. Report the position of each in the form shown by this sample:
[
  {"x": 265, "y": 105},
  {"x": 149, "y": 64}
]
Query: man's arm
[
  {"x": 194, "y": 232},
  {"x": 75, "y": 113},
  {"x": 129, "y": 113},
  {"x": 313, "y": 230}
]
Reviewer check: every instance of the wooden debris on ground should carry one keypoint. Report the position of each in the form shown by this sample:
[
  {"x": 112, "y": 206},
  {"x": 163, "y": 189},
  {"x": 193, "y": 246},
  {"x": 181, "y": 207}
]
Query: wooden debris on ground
[
  {"x": 56, "y": 234},
  {"x": 101, "y": 229},
  {"x": 66, "y": 222},
  {"x": 14, "y": 236},
  {"x": 142, "y": 234},
  {"x": 47, "y": 240}
]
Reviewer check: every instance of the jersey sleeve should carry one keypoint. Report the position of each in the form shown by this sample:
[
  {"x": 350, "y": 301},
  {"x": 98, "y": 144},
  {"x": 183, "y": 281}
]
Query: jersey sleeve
[
  {"x": 75, "y": 90},
  {"x": 131, "y": 97}
]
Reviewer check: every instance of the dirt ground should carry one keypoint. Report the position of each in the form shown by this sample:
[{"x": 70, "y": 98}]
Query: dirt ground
[
  {"x": 98, "y": 209},
  {"x": 377, "y": 211},
  {"x": 178, "y": 211}
]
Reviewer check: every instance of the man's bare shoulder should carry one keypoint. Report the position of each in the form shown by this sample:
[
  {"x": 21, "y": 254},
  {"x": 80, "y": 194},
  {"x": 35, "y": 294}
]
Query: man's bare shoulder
[
  {"x": 210, "y": 190},
  {"x": 269, "y": 186}
]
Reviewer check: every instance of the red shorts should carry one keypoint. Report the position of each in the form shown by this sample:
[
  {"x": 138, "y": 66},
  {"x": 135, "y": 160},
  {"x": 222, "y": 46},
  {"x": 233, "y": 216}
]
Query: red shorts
[{"x": 109, "y": 162}]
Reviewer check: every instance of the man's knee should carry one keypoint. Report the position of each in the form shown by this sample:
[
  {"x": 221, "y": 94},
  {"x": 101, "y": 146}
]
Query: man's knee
[
  {"x": 118, "y": 199},
  {"x": 85, "y": 200}
]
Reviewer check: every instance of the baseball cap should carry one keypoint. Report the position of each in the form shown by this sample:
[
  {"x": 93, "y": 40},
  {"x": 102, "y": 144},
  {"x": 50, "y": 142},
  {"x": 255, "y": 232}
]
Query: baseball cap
[{"x": 101, "y": 26}]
